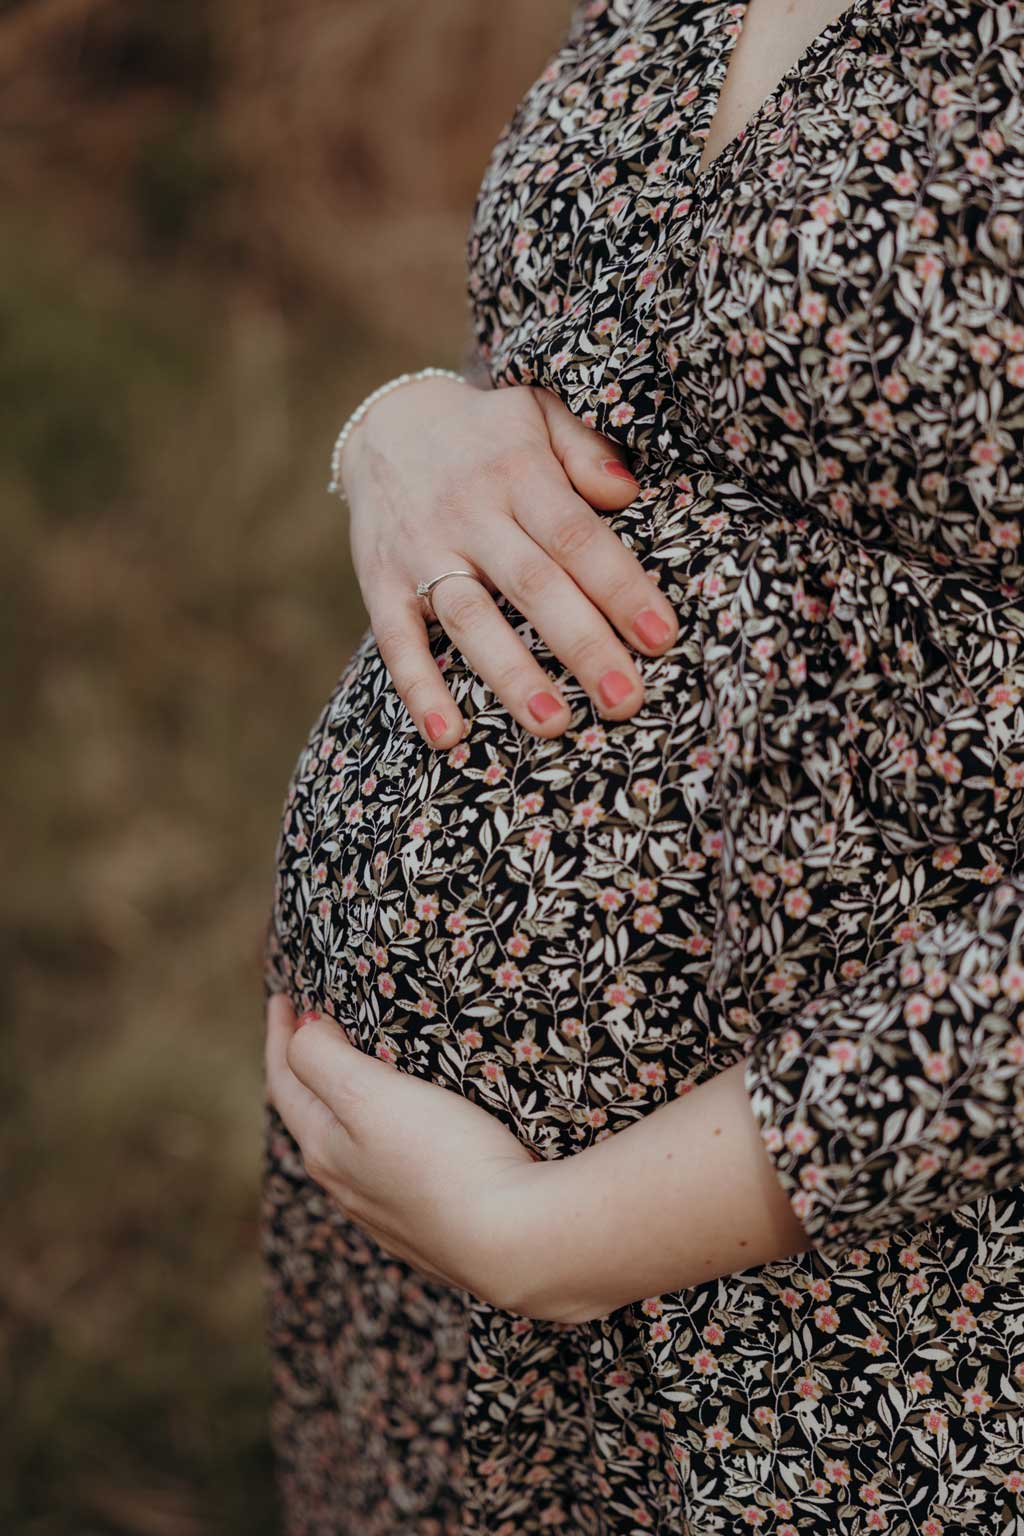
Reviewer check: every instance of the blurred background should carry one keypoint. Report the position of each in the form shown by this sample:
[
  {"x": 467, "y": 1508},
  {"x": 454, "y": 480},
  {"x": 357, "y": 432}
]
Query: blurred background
[{"x": 222, "y": 222}]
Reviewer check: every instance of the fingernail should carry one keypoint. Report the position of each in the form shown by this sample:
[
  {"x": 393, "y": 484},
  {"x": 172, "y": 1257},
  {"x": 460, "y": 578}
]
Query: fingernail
[
  {"x": 307, "y": 1018},
  {"x": 617, "y": 468},
  {"x": 613, "y": 688},
  {"x": 542, "y": 706},
  {"x": 651, "y": 629},
  {"x": 437, "y": 725}
]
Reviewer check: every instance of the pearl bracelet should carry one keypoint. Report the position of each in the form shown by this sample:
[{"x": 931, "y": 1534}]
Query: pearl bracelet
[{"x": 361, "y": 410}]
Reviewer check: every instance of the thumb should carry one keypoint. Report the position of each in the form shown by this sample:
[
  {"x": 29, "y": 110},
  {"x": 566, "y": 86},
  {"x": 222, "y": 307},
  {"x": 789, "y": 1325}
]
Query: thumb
[
  {"x": 323, "y": 1059},
  {"x": 596, "y": 467}
]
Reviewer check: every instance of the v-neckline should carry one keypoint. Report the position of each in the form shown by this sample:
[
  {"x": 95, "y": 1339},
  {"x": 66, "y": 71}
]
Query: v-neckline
[{"x": 830, "y": 36}]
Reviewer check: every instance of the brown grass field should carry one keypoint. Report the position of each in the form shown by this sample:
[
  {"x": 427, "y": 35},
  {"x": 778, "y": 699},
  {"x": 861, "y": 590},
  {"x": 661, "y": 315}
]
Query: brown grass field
[{"x": 221, "y": 225}]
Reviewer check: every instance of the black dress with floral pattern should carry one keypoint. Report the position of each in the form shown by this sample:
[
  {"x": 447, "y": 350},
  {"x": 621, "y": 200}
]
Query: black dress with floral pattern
[{"x": 804, "y": 852}]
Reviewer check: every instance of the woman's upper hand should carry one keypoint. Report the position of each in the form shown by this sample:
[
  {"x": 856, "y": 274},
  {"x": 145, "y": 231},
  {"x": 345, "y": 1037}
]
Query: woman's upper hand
[{"x": 502, "y": 483}]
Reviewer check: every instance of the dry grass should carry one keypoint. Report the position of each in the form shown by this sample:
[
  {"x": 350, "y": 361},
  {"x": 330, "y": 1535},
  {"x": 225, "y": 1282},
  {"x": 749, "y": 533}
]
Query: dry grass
[{"x": 174, "y": 606}]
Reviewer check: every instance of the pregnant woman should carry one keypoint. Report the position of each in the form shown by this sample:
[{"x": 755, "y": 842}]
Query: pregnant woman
[{"x": 667, "y": 890}]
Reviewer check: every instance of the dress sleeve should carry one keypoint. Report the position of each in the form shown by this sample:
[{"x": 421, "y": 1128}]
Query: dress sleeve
[{"x": 898, "y": 1098}]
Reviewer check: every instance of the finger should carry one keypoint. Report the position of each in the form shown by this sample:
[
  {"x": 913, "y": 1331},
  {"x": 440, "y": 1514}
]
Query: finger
[
  {"x": 495, "y": 652},
  {"x": 309, "y": 1120},
  {"x": 596, "y": 466},
  {"x": 581, "y": 543},
  {"x": 327, "y": 1065},
  {"x": 568, "y": 622},
  {"x": 401, "y": 637}
]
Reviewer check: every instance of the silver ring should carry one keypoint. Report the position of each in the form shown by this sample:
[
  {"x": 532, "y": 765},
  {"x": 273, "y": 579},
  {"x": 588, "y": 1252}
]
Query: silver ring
[{"x": 424, "y": 589}]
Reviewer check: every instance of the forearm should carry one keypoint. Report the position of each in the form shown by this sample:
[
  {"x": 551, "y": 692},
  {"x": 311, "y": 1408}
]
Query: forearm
[{"x": 682, "y": 1197}]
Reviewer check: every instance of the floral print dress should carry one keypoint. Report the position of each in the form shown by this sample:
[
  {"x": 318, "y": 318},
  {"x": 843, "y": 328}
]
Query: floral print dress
[{"x": 804, "y": 852}]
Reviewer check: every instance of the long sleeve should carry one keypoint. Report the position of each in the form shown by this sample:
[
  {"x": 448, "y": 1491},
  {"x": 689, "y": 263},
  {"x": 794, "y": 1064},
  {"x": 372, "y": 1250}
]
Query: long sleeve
[{"x": 901, "y": 1097}]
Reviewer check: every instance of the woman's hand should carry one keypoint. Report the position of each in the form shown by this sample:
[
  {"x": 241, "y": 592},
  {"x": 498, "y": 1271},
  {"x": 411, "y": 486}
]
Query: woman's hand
[
  {"x": 503, "y": 483},
  {"x": 435, "y": 1179}
]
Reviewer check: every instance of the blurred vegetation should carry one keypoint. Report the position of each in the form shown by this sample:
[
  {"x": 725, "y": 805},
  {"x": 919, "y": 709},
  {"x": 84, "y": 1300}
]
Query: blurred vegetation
[{"x": 220, "y": 226}]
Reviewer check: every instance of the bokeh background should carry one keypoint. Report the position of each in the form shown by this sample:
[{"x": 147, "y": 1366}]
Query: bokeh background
[{"x": 222, "y": 222}]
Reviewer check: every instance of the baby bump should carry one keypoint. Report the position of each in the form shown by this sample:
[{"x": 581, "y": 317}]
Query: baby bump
[{"x": 524, "y": 921}]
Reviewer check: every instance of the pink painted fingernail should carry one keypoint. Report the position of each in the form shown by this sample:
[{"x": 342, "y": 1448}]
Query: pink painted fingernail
[
  {"x": 652, "y": 630},
  {"x": 617, "y": 468},
  {"x": 436, "y": 725},
  {"x": 307, "y": 1018},
  {"x": 542, "y": 706},
  {"x": 613, "y": 688}
]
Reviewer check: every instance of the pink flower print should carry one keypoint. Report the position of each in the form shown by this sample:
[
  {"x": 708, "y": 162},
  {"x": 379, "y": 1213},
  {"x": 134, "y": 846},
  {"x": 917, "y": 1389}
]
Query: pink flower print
[
  {"x": 779, "y": 982},
  {"x": 917, "y": 1285},
  {"x": 618, "y": 995},
  {"x": 765, "y": 1415},
  {"x": 610, "y": 394},
  {"x": 493, "y": 1070},
  {"x": 652, "y": 1306},
  {"x": 820, "y": 1289},
  {"x": 606, "y": 327},
  {"x": 984, "y": 349},
  {"x": 808, "y": 1389},
  {"x": 736, "y": 440},
  {"x": 792, "y": 418},
  {"x": 354, "y": 812},
  {"x": 1013, "y": 1482},
  {"x": 977, "y": 1400},
  {"x": 647, "y": 919},
  {"x": 839, "y": 370},
  {"x": 878, "y": 417},
  {"x": 740, "y": 240},
  {"x": 947, "y": 857},
  {"x": 1005, "y": 535},
  {"x": 527, "y": 1050},
  {"x": 652, "y": 1073},
  {"x": 824, "y": 210},
  {"x": 938, "y": 1068},
  {"x": 734, "y": 344},
  {"x": 458, "y": 757},
  {"x": 592, "y": 739},
  {"x": 597, "y": 1116},
  {"x": 697, "y": 944},
  {"x": 644, "y": 888},
  {"x": 837, "y": 338},
  {"x": 610, "y": 900},
  {"x": 538, "y": 838},
  {"x": 386, "y": 984},
  {"x": 419, "y": 827},
  {"x": 621, "y": 414},
  {"x": 877, "y": 1520},
  {"x": 1015, "y": 369},
  {"x": 472, "y": 1039},
  {"x": 754, "y": 373},
  {"x": 348, "y": 887},
  {"x": 587, "y": 813},
  {"x": 369, "y": 784},
  {"x": 427, "y": 908},
  {"x": 917, "y": 1009},
  {"x": 324, "y": 910},
  {"x": 320, "y": 873},
  {"x": 518, "y": 945},
  {"x": 532, "y": 803},
  {"x": 362, "y": 966},
  {"x": 643, "y": 789},
  {"x": 383, "y": 1052},
  {"x": 904, "y": 183},
  {"x": 753, "y": 1516},
  {"x": 928, "y": 268},
  {"x": 571, "y": 1028},
  {"x": 704, "y": 1362},
  {"x": 986, "y": 452},
  {"x": 947, "y": 1128},
  {"x": 851, "y": 969},
  {"x": 827, "y": 1319},
  {"x": 426, "y": 1007},
  {"x": 659, "y": 1331},
  {"x": 797, "y": 902},
  {"x": 380, "y": 955},
  {"x": 718, "y": 1437},
  {"x": 1012, "y": 983},
  {"x": 838, "y": 1472},
  {"x": 896, "y": 389},
  {"x": 812, "y": 308},
  {"x": 508, "y": 975},
  {"x": 761, "y": 884},
  {"x": 972, "y": 1291},
  {"x": 859, "y": 1258},
  {"x": 875, "y": 1344},
  {"x": 978, "y": 161},
  {"x": 494, "y": 773},
  {"x": 875, "y": 149},
  {"x": 843, "y": 1055},
  {"x": 712, "y": 844}
]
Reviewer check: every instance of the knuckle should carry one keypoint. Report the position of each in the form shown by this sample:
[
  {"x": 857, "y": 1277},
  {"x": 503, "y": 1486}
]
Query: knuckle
[
  {"x": 510, "y": 679},
  {"x": 573, "y": 537},
  {"x": 590, "y": 653},
  {"x": 532, "y": 579},
  {"x": 418, "y": 688},
  {"x": 462, "y": 610}
]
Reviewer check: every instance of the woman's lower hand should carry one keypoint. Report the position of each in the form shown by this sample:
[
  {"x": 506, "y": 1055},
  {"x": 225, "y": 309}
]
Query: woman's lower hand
[
  {"x": 502, "y": 483},
  {"x": 436, "y": 1180}
]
